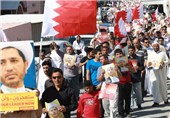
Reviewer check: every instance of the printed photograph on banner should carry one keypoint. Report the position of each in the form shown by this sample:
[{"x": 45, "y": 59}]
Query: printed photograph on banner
[
  {"x": 69, "y": 59},
  {"x": 134, "y": 62},
  {"x": 20, "y": 55},
  {"x": 121, "y": 61},
  {"x": 17, "y": 67},
  {"x": 109, "y": 70},
  {"x": 108, "y": 91},
  {"x": 53, "y": 111}
]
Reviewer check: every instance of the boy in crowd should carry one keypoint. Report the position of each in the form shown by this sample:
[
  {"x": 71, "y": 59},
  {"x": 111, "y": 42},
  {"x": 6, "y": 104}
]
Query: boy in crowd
[{"x": 89, "y": 103}]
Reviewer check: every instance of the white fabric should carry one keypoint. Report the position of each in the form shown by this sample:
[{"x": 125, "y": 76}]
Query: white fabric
[
  {"x": 168, "y": 71},
  {"x": 56, "y": 60},
  {"x": 3, "y": 37},
  {"x": 6, "y": 89},
  {"x": 41, "y": 81},
  {"x": 114, "y": 79},
  {"x": 48, "y": 22},
  {"x": 122, "y": 27},
  {"x": 158, "y": 78}
]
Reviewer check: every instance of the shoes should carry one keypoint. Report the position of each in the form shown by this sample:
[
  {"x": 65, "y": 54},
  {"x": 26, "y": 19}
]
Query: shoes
[
  {"x": 143, "y": 101},
  {"x": 131, "y": 110},
  {"x": 128, "y": 116},
  {"x": 119, "y": 116},
  {"x": 155, "y": 104},
  {"x": 166, "y": 102},
  {"x": 139, "y": 107}
]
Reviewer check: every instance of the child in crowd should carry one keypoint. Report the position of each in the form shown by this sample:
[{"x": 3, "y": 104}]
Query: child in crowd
[{"x": 89, "y": 103}]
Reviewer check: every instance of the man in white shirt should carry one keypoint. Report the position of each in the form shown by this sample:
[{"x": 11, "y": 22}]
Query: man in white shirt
[
  {"x": 57, "y": 61},
  {"x": 78, "y": 44},
  {"x": 158, "y": 74}
]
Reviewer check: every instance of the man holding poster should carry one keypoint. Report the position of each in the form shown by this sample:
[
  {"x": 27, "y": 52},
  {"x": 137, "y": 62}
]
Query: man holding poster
[
  {"x": 136, "y": 77},
  {"x": 15, "y": 59},
  {"x": 108, "y": 80}
]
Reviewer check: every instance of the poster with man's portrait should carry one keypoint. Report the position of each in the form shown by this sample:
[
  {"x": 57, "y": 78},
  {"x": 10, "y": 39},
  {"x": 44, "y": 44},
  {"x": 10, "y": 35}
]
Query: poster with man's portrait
[
  {"x": 17, "y": 74},
  {"x": 28, "y": 48},
  {"x": 52, "y": 109},
  {"x": 121, "y": 61},
  {"x": 109, "y": 70},
  {"x": 69, "y": 59},
  {"x": 155, "y": 61}
]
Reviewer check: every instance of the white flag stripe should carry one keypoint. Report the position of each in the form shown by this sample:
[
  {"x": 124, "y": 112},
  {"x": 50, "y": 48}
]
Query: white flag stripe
[
  {"x": 48, "y": 22},
  {"x": 3, "y": 37},
  {"x": 129, "y": 15},
  {"x": 122, "y": 28},
  {"x": 141, "y": 16}
]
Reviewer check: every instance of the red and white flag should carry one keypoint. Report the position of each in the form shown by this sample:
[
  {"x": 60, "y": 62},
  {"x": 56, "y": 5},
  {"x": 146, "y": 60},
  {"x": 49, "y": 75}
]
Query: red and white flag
[
  {"x": 126, "y": 15},
  {"x": 137, "y": 12},
  {"x": 69, "y": 17},
  {"x": 119, "y": 29},
  {"x": 155, "y": 15},
  {"x": 120, "y": 14}
]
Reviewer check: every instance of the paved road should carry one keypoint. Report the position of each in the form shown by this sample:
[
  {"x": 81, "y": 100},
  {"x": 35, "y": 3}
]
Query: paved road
[{"x": 163, "y": 111}]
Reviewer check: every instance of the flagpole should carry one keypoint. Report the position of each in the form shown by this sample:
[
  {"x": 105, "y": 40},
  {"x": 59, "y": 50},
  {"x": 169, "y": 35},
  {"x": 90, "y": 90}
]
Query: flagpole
[{"x": 40, "y": 50}]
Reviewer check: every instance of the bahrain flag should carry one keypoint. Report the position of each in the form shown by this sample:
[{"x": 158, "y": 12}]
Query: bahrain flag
[
  {"x": 137, "y": 12},
  {"x": 64, "y": 18},
  {"x": 119, "y": 29}
]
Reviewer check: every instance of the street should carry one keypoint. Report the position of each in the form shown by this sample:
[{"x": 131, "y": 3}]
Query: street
[{"x": 163, "y": 111}]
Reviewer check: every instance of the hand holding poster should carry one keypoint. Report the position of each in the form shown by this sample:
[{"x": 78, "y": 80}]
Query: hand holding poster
[
  {"x": 69, "y": 59},
  {"x": 53, "y": 111}
]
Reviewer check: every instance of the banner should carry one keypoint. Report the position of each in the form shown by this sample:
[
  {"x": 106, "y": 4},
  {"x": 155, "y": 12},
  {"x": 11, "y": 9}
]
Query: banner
[
  {"x": 18, "y": 101},
  {"x": 69, "y": 59},
  {"x": 52, "y": 108},
  {"x": 108, "y": 91},
  {"x": 121, "y": 61},
  {"x": 110, "y": 70}
]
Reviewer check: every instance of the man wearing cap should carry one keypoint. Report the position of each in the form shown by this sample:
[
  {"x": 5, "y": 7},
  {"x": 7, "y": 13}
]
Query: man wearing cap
[
  {"x": 14, "y": 62},
  {"x": 158, "y": 74}
]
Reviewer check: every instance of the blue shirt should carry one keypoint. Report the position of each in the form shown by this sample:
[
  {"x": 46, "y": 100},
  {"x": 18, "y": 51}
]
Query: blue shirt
[{"x": 93, "y": 66}]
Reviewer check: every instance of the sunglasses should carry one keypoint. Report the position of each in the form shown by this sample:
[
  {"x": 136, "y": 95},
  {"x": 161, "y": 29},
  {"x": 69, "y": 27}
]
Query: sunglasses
[
  {"x": 146, "y": 42},
  {"x": 56, "y": 77}
]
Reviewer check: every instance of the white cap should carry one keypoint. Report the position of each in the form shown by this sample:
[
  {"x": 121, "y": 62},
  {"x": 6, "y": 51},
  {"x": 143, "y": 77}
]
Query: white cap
[
  {"x": 24, "y": 46},
  {"x": 155, "y": 42},
  {"x": 50, "y": 105}
]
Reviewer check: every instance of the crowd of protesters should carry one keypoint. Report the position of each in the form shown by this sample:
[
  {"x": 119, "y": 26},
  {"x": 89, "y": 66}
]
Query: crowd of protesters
[{"x": 147, "y": 42}]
